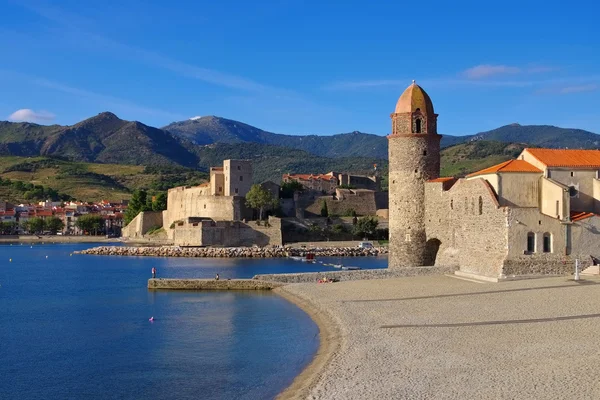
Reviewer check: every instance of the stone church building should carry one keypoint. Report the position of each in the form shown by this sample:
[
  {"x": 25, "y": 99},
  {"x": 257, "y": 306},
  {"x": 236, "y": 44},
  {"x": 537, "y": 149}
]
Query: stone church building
[{"x": 530, "y": 216}]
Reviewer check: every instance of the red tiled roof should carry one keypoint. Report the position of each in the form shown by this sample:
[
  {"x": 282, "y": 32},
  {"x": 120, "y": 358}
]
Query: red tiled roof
[
  {"x": 308, "y": 177},
  {"x": 508, "y": 166},
  {"x": 567, "y": 158},
  {"x": 579, "y": 215},
  {"x": 444, "y": 179},
  {"x": 43, "y": 213}
]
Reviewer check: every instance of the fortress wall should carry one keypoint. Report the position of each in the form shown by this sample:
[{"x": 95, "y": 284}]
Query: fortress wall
[
  {"x": 228, "y": 233},
  {"x": 471, "y": 236},
  {"x": 363, "y": 202},
  {"x": 142, "y": 224},
  {"x": 185, "y": 202}
]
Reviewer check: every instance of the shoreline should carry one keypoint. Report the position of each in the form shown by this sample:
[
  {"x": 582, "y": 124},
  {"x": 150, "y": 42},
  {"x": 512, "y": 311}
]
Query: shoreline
[
  {"x": 56, "y": 239},
  {"x": 330, "y": 340}
]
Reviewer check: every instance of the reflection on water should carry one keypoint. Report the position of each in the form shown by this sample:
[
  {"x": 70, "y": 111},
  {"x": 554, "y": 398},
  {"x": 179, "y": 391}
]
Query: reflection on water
[{"x": 76, "y": 327}]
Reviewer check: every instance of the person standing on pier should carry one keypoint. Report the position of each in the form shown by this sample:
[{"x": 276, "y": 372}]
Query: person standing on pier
[{"x": 153, "y": 272}]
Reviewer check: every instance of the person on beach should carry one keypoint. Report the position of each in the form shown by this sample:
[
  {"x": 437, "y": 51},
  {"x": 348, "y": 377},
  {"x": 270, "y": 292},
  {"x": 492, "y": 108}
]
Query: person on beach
[
  {"x": 153, "y": 273},
  {"x": 217, "y": 277}
]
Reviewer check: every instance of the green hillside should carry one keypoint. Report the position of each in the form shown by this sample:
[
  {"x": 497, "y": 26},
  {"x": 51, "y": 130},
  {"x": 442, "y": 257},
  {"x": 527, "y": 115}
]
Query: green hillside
[{"x": 91, "y": 181}]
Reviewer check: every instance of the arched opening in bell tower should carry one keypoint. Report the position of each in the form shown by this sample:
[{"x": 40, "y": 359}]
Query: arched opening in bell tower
[
  {"x": 418, "y": 125},
  {"x": 432, "y": 246}
]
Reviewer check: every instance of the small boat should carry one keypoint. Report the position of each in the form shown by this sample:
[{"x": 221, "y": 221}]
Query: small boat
[
  {"x": 296, "y": 258},
  {"x": 337, "y": 265},
  {"x": 310, "y": 258},
  {"x": 350, "y": 268}
]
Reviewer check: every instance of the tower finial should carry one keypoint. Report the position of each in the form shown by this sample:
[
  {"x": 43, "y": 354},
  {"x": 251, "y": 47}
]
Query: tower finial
[{"x": 414, "y": 82}]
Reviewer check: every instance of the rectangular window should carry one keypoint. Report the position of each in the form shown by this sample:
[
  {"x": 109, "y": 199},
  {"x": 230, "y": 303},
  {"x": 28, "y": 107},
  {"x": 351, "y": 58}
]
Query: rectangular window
[
  {"x": 547, "y": 243},
  {"x": 557, "y": 208},
  {"x": 236, "y": 190},
  {"x": 241, "y": 178},
  {"x": 530, "y": 242},
  {"x": 239, "y": 168}
]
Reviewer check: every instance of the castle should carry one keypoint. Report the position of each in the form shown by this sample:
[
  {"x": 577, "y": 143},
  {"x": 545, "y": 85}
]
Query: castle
[
  {"x": 211, "y": 214},
  {"x": 533, "y": 215}
]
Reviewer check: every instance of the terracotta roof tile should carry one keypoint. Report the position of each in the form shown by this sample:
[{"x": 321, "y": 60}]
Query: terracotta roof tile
[
  {"x": 507, "y": 166},
  {"x": 567, "y": 158},
  {"x": 444, "y": 179},
  {"x": 579, "y": 215}
]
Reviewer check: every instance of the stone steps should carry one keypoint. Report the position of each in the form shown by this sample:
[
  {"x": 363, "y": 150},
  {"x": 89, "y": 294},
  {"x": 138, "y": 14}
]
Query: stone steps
[{"x": 591, "y": 270}]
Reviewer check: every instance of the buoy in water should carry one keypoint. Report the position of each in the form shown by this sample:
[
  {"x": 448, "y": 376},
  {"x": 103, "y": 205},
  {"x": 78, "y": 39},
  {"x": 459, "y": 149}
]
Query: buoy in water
[
  {"x": 151, "y": 319},
  {"x": 10, "y": 260},
  {"x": 46, "y": 256}
]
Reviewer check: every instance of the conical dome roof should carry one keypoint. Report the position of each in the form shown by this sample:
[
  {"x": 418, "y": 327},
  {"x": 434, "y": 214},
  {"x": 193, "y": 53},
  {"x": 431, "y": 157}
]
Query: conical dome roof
[{"x": 413, "y": 98}]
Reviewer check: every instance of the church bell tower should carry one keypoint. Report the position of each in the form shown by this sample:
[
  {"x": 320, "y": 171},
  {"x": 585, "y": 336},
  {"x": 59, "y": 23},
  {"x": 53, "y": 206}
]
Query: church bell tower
[{"x": 414, "y": 158}]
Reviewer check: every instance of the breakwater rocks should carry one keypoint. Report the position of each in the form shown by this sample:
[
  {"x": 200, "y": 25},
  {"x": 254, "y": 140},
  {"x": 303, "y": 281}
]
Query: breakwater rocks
[{"x": 233, "y": 252}]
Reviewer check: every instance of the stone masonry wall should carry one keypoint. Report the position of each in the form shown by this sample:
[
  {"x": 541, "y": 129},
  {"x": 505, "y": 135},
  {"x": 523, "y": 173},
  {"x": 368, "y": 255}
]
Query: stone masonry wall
[
  {"x": 142, "y": 224},
  {"x": 413, "y": 159},
  {"x": 468, "y": 225},
  {"x": 363, "y": 202}
]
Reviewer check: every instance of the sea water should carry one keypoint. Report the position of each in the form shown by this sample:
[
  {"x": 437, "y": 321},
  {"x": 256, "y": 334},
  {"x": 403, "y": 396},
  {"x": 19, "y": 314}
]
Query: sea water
[{"x": 77, "y": 327}]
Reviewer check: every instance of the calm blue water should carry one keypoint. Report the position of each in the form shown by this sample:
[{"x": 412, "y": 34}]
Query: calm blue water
[{"x": 75, "y": 327}]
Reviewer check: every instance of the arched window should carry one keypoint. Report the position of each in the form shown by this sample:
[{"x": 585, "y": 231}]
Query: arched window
[
  {"x": 573, "y": 192},
  {"x": 480, "y": 205},
  {"x": 418, "y": 125},
  {"x": 530, "y": 242},
  {"x": 547, "y": 243}
]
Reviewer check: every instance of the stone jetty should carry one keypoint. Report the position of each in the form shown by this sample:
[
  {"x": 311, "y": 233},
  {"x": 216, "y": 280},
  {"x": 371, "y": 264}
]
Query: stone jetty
[{"x": 233, "y": 252}]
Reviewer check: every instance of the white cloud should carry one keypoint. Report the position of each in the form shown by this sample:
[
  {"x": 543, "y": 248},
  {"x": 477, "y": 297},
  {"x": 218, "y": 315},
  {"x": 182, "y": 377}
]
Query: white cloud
[
  {"x": 579, "y": 88},
  {"x": 28, "y": 115},
  {"x": 487, "y": 70}
]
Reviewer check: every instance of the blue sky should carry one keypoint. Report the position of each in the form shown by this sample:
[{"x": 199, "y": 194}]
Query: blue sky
[{"x": 301, "y": 67}]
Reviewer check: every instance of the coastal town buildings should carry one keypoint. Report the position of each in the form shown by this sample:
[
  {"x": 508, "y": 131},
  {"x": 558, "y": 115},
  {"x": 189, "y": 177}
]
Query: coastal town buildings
[
  {"x": 67, "y": 212},
  {"x": 536, "y": 214}
]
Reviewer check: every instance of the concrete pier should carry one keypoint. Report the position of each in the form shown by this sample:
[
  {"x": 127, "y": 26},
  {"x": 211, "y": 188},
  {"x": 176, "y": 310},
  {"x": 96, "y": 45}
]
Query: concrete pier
[{"x": 211, "y": 284}]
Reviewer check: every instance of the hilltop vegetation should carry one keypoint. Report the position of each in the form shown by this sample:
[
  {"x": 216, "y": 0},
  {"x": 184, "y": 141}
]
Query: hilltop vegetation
[
  {"x": 106, "y": 157},
  {"x": 462, "y": 159},
  {"x": 92, "y": 181}
]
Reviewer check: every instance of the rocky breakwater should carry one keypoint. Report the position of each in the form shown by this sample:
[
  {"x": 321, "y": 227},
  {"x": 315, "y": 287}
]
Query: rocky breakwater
[{"x": 233, "y": 252}]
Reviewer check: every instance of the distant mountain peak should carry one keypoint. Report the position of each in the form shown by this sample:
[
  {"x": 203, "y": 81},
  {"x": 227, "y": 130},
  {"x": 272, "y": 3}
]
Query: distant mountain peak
[
  {"x": 197, "y": 117},
  {"x": 515, "y": 124}
]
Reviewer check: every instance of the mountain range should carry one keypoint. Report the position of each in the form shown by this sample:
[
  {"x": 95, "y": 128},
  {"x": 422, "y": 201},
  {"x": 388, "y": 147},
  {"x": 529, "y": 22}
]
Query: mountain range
[{"x": 205, "y": 141}]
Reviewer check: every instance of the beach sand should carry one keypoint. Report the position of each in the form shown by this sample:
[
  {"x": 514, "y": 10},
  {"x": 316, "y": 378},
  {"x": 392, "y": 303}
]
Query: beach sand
[{"x": 440, "y": 337}]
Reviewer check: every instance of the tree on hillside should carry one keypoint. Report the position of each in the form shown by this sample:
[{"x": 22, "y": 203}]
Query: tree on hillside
[
  {"x": 160, "y": 202},
  {"x": 90, "y": 223},
  {"x": 54, "y": 224},
  {"x": 366, "y": 227},
  {"x": 137, "y": 204},
  {"x": 260, "y": 199},
  {"x": 289, "y": 188}
]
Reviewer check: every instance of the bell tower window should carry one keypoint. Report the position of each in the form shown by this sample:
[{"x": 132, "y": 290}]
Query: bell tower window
[{"x": 418, "y": 125}]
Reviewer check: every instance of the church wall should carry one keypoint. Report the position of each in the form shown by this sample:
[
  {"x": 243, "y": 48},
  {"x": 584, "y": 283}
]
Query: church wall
[
  {"x": 585, "y": 239},
  {"x": 596, "y": 194},
  {"x": 521, "y": 262},
  {"x": 582, "y": 180},
  {"x": 470, "y": 225},
  {"x": 554, "y": 200},
  {"x": 518, "y": 189}
]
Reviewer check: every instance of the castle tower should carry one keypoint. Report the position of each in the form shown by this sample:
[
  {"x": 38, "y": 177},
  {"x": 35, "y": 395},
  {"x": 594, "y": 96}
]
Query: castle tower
[{"x": 414, "y": 158}]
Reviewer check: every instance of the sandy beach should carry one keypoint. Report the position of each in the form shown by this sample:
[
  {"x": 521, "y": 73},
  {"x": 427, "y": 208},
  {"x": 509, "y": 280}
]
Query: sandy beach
[{"x": 440, "y": 337}]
